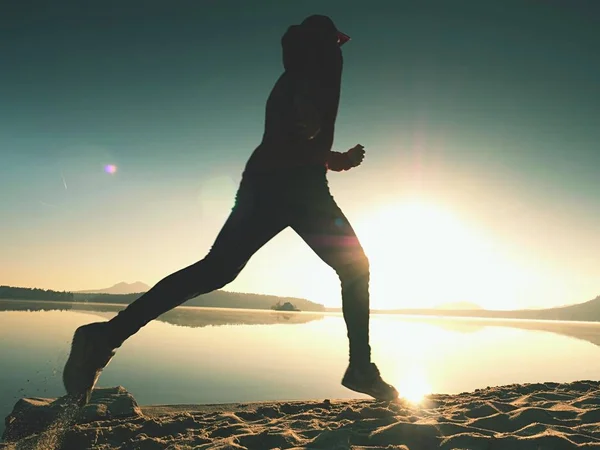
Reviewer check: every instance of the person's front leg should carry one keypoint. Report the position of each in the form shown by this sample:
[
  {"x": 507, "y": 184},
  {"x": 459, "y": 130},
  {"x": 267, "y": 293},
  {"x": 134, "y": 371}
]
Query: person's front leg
[{"x": 327, "y": 231}]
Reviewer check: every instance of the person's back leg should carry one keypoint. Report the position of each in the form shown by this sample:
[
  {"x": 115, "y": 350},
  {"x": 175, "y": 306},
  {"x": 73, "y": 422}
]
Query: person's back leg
[
  {"x": 252, "y": 223},
  {"x": 243, "y": 234},
  {"x": 325, "y": 228}
]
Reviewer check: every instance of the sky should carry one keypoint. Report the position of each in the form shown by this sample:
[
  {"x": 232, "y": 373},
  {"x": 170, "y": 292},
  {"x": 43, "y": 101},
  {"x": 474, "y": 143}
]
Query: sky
[{"x": 125, "y": 127}]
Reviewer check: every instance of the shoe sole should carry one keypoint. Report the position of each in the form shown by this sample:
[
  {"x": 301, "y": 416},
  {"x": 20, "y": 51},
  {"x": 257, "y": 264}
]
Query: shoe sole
[{"x": 354, "y": 388}]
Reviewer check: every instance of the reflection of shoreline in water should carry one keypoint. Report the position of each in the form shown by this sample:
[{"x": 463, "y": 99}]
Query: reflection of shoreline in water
[
  {"x": 202, "y": 317},
  {"x": 194, "y": 317},
  {"x": 585, "y": 331}
]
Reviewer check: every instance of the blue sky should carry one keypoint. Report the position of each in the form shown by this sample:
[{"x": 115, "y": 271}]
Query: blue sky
[{"x": 485, "y": 113}]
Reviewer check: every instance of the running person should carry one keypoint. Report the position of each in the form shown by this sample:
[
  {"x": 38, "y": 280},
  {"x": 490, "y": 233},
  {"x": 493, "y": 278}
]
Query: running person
[{"x": 284, "y": 184}]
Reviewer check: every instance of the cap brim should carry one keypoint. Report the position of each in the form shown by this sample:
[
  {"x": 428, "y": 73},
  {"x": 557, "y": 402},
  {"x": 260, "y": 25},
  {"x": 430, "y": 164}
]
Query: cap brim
[{"x": 342, "y": 38}]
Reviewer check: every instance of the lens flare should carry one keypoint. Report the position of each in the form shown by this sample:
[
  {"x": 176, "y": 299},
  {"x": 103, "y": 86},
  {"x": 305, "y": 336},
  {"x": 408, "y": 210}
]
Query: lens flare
[{"x": 110, "y": 168}]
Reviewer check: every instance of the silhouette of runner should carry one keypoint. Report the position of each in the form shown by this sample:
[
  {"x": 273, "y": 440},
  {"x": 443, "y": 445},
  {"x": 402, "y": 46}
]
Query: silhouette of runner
[{"x": 284, "y": 184}]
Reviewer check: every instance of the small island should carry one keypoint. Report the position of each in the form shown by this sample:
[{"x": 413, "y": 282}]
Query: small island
[{"x": 287, "y": 306}]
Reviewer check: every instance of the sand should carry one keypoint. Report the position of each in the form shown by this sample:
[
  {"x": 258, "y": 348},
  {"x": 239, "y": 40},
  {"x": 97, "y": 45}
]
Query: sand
[{"x": 529, "y": 416}]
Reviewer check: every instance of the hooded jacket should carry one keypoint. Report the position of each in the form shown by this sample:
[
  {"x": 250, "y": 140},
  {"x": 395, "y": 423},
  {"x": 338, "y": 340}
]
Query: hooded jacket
[{"x": 302, "y": 108}]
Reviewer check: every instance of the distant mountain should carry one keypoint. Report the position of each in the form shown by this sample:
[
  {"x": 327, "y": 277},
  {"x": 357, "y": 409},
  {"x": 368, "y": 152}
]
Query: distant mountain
[
  {"x": 119, "y": 288},
  {"x": 587, "y": 311},
  {"x": 459, "y": 306}
]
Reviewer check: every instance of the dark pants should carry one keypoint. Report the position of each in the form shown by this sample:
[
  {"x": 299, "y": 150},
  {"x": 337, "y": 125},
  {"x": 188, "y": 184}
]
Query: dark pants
[{"x": 265, "y": 205}]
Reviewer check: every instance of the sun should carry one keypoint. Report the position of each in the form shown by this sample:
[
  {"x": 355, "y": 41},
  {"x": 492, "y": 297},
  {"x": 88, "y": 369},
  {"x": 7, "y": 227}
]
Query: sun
[
  {"x": 412, "y": 385},
  {"x": 423, "y": 255}
]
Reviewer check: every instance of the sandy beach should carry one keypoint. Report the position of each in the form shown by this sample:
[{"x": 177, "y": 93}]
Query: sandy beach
[{"x": 529, "y": 416}]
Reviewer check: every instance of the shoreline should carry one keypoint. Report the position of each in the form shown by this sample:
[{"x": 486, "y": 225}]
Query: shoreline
[{"x": 488, "y": 316}]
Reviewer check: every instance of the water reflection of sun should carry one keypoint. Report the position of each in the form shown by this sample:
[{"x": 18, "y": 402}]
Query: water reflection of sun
[{"x": 412, "y": 384}]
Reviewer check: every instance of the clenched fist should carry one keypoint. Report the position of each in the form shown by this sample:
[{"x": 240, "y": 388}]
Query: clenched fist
[
  {"x": 340, "y": 162},
  {"x": 356, "y": 155}
]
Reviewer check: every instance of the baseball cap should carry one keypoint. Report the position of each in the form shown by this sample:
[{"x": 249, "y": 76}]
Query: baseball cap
[{"x": 342, "y": 38}]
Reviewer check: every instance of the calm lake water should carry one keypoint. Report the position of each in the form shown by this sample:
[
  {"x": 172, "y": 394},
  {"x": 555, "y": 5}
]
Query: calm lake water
[{"x": 201, "y": 355}]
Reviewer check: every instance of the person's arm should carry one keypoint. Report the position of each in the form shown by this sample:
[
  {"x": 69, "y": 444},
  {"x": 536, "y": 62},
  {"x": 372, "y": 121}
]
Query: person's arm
[
  {"x": 339, "y": 162},
  {"x": 306, "y": 108}
]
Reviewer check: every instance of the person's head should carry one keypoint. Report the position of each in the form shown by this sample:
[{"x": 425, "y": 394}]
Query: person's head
[
  {"x": 314, "y": 44},
  {"x": 324, "y": 26}
]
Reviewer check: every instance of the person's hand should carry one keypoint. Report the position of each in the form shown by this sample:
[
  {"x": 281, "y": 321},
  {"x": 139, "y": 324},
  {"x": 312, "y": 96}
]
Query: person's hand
[
  {"x": 339, "y": 162},
  {"x": 356, "y": 155}
]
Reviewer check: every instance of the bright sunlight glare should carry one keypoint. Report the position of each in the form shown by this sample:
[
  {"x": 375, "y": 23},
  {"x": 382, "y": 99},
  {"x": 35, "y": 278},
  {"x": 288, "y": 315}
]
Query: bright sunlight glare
[
  {"x": 412, "y": 384},
  {"x": 421, "y": 256}
]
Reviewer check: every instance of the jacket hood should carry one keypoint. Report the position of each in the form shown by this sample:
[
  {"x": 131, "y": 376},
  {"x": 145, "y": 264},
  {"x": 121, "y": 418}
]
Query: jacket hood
[
  {"x": 311, "y": 46},
  {"x": 320, "y": 23}
]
